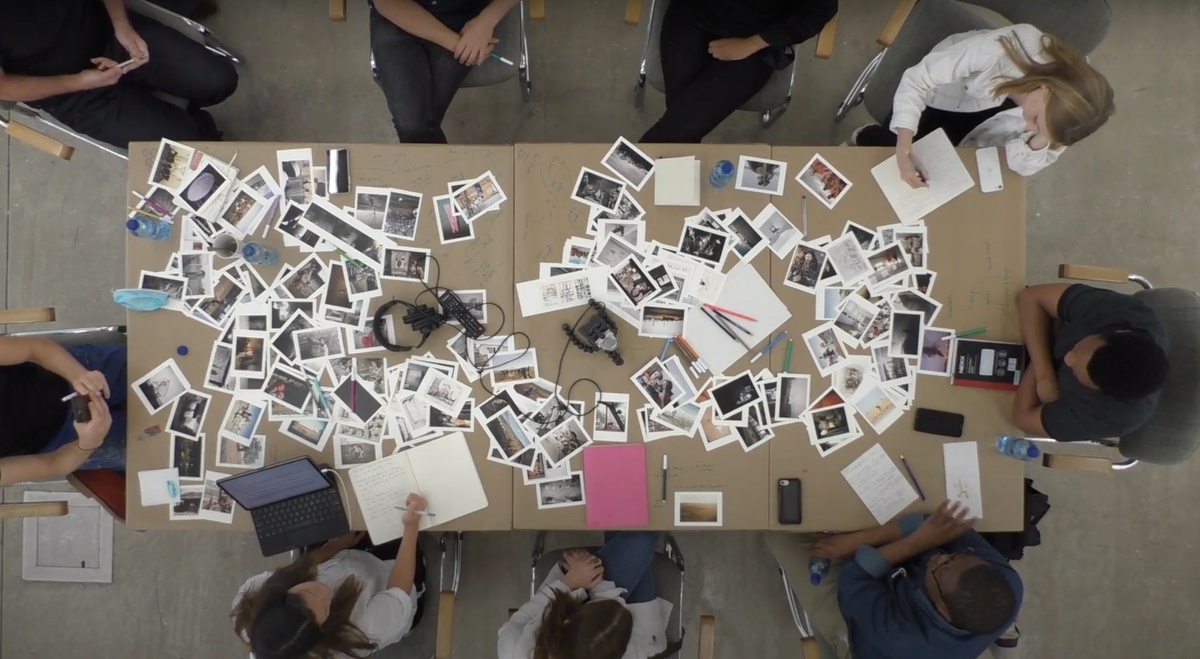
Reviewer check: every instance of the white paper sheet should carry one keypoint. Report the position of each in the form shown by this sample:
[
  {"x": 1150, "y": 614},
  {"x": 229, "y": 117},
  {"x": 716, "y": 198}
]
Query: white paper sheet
[
  {"x": 159, "y": 486},
  {"x": 878, "y": 482},
  {"x": 747, "y": 293},
  {"x": 962, "y": 475},
  {"x": 946, "y": 175},
  {"x": 573, "y": 289},
  {"x": 677, "y": 181}
]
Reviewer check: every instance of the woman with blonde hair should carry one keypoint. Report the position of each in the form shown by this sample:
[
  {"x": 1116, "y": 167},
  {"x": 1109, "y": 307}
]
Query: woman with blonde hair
[{"x": 1014, "y": 87}]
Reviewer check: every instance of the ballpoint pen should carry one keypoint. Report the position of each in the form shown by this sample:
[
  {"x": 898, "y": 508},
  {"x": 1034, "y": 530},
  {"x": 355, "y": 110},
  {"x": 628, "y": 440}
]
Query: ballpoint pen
[
  {"x": 767, "y": 348},
  {"x": 425, "y": 513}
]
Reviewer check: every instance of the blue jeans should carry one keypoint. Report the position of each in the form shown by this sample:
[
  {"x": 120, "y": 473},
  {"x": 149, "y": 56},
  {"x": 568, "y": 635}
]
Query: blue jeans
[
  {"x": 111, "y": 361},
  {"x": 627, "y": 557}
]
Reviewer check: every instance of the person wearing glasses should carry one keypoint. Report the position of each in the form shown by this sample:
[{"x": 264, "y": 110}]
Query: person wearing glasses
[{"x": 917, "y": 587}]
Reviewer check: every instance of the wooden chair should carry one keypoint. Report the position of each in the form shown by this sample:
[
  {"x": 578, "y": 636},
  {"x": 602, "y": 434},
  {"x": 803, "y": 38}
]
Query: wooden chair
[
  {"x": 770, "y": 102},
  {"x": 449, "y": 591},
  {"x": 915, "y": 27},
  {"x": 33, "y": 509}
]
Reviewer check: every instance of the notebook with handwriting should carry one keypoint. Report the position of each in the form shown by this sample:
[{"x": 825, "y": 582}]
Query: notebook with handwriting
[
  {"x": 615, "y": 481},
  {"x": 442, "y": 471}
]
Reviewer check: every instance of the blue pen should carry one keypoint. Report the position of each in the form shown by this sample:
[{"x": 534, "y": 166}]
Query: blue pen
[
  {"x": 665, "y": 350},
  {"x": 321, "y": 400},
  {"x": 502, "y": 59},
  {"x": 768, "y": 347}
]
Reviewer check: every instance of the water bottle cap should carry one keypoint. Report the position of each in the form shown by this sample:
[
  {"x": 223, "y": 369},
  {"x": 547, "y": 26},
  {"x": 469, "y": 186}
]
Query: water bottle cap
[
  {"x": 814, "y": 579},
  {"x": 249, "y": 250},
  {"x": 132, "y": 224},
  {"x": 725, "y": 167},
  {"x": 1033, "y": 452},
  {"x": 182, "y": 351}
]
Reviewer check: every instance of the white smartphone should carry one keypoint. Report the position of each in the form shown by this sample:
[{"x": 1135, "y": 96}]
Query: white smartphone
[{"x": 990, "y": 177}]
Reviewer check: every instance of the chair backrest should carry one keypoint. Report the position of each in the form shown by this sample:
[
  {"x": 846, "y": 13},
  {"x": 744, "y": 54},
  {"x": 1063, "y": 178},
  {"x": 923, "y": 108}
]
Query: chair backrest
[
  {"x": 1173, "y": 433},
  {"x": 510, "y": 31},
  {"x": 1080, "y": 23}
]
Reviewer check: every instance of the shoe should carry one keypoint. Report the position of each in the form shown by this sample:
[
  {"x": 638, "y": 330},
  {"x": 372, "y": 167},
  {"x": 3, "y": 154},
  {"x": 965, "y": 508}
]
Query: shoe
[
  {"x": 1010, "y": 638},
  {"x": 853, "y": 139}
]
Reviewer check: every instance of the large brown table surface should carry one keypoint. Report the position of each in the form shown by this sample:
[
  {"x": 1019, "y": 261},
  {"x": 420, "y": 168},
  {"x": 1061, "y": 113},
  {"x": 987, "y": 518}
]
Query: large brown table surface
[{"x": 485, "y": 262}]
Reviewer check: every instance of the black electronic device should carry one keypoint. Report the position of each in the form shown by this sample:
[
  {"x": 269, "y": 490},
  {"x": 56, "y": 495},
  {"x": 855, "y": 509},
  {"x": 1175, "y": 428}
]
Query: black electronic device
[
  {"x": 338, "y": 174},
  {"x": 453, "y": 307},
  {"x": 598, "y": 332},
  {"x": 936, "y": 422},
  {"x": 790, "y": 501},
  {"x": 420, "y": 317},
  {"x": 80, "y": 410}
]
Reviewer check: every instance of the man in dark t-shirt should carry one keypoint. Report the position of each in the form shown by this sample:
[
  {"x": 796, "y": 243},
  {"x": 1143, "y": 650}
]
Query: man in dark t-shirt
[
  {"x": 95, "y": 68},
  {"x": 1097, "y": 375}
]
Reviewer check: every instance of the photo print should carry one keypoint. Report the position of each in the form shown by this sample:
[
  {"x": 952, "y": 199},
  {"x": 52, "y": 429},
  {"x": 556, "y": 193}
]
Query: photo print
[
  {"x": 791, "y": 398},
  {"x": 161, "y": 386},
  {"x": 241, "y": 420},
  {"x": 187, "y": 455},
  {"x": 827, "y": 352},
  {"x": 507, "y": 433},
  {"x": 318, "y": 343},
  {"x": 704, "y": 244},
  {"x": 289, "y": 387},
  {"x": 295, "y": 174},
  {"x": 513, "y": 367},
  {"x": 406, "y": 264},
  {"x": 242, "y": 456},
  {"x": 320, "y": 177},
  {"x": 781, "y": 235},
  {"x": 197, "y": 269},
  {"x": 906, "y": 334},
  {"x": 629, "y": 162},
  {"x": 848, "y": 259},
  {"x": 452, "y": 228},
  {"x": 661, "y": 321},
  {"x": 747, "y": 241},
  {"x": 172, "y": 164},
  {"x": 610, "y": 418},
  {"x": 564, "y": 442},
  {"x": 633, "y": 281},
  {"x": 478, "y": 197},
  {"x": 657, "y": 384},
  {"x": 761, "y": 175},
  {"x": 403, "y": 211},
  {"x": 734, "y": 395},
  {"x": 364, "y": 281},
  {"x": 342, "y": 231},
  {"x": 370, "y": 206},
  {"x": 824, "y": 181},
  {"x": 936, "y": 348},
  {"x": 562, "y": 493},
  {"x": 804, "y": 270},
  {"x": 188, "y": 414},
  {"x": 596, "y": 189},
  {"x": 206, "y": 188},
  {"x": 699, "y": 508},
  {"x": 219, "y": 365}
]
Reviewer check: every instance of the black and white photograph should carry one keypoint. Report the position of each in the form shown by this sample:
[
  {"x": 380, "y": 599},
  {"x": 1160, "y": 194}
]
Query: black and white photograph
[
  {"x": 318, "y": 343},
  {"x": 249, "y": 354},
  {"x": 825, "y": 182},
  {"x": 848, "y": 259},
  {"x": 161, "y": 386},
  {"x": 197, "y": 269},
  {"x": 241, "y": 456},
  {"x": 188, "y": 413},
  {"x": 629, "y": 162},
  {"x": 187, "y": 455},
  {"x": 779, "y": 232},
  {"x": 405, "y": 264},
  {"x": 337, "y": 289},
  {"x": 403, "y": 211},
  {"x": 916, "y": 302},
  {"x": 443, "y": 392},
  {"x": 630, "y": 231},
  {"x": 661, "y": 321},
  {"x": 250, "y": 277},
  {"x": 493, "y": 406},
  {"x": 160, "y": 201},
  {"x": 189, "y": 503},
  {"x": 360, "y": 341},
  {"x": 241, "y": 215},
  {"x": 855, "y": 318},
  {"x": 831, "y": 423},
  {"x": 507, "y": 433},
  {"x": 171, "y": 165},
  {"x": 610, "y": 418},
  {"x": 634, "y": 282},
  {"x": 906, "y": 334},
  {"x": 804, "y": 270},
  {"x": 747, "y": 241},
  {"x": 827, "y": 352},
  {"x": 852, "y": 374},
  {"x": 204, "y": 189},
  {"x": 293, "y": 232},
  {"x": 678, "y": 373},
  {"x": 562, "y": 493},
  {"x": 657, "y": 384},
  {"x": 364, "y": 281},
  {"x": 614, "y": 250},
  {"x": 596, "y": 189},
  {"x": 312, "y": 433},
  {"x": 564, "y": 441},
  {"x": 627, "y": 209},
  {"x": 452, "y": 228},
  {"x": 349, "y": 452},
  {"x": 370, "y": 206},
  {"x": 478, "y": 196},
  {"x": 923, "y": 282},
  {"x": 343, "y": 231},
  {"x": 865, "y": 237},
  {"x": 683, "y": 418},
  {"x": 320, "y": 177},
  {"x": 912, "y": 240},
  {"x": 217, "y": 310},
  {"x": 167, "y": 283},
  {"x": 220, "y": 362},
  {"x": 215, "y": 504},
  {"x": 704, "y": 244},
  {"x": 889, "y": 369},
  {"x": 756, "y": 432},
  {"x": 549, "y": 415},
  {"x": 513, "y": 367},
  {"x": 288, "y": 387},
  {"x": 735, "y": 395},
  {"x": 241, "y": 419},
  {"x": 791, "y": 398},
  {"x": 888, "y": 266},
  {"x": 761, "y": 175},
  {"x": 540, "y": 472},
  {"x": 829, "y": 300},
  {"x": 881, "y": 326},
  {"x": 439, "y": 420},
  {"x": 295, "y": 174},
  {"x": 283, "y": 343},
  {"x": 307, "y": 279}
]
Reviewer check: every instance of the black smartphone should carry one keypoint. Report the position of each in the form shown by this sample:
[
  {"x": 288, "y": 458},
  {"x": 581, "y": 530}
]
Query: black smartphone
[
  {"x": 337, "y": 162},
  {"x": 789, "y": 501},
  {"x": 936, "y": 422},
  {"x": 79, "y": 408}
]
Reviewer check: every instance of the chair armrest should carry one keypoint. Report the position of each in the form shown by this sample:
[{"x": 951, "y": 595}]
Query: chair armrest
[
  {"x": 445, "y": 626},
  {"x": 708, "y": 637},
  {"x": 1093, "y": 273},
  {"x": 31, "y": 315},
  {"x": 33, "y": 509},
  {"x": 825, "y": 39},
  {"x": 810, "y": 647},
  {"x": 39, "y": 141},
  {"x": 633, "y": 12},
  {"x": 895, "y": 22},
  {"x": 537, "y": 9},
  {"x": 1077, "y": 463},
  {"x": 337, "y": 10}
]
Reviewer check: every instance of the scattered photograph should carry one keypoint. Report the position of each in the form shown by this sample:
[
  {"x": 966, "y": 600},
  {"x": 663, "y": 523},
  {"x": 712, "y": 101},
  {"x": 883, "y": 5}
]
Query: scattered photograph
[
  {"x": 906, "y": 334},
  {"x": 171, "y": 284},
  {"x": 478, "y": 197},
  {"x": 825, "y": 182},
  {"x": 318, "y": 343},
  {"x": 827, "y": 352},
  {"x": 452, "y": 228},
  {"x": 628, "y": 230},
  {"x": 363, "y": 280},
  {"x": 633, "y": 281},
  {"x": 888, "y": 266},
  {"x": 889, "y": 369},
  {"x": 507, "y": 433},
  {"x": 564, "y": 441},
  {"x": 241, "y": 420},
  {"x": 307, "y": 279},
  {"x": 242, "y": 456},
  {"x": 337, "y": 289},
  {"x": 735, "y": 395},
  {"x": 578, "y": 251},
  {"x": 747, "y": 241},
  {"x": 804, "y": 271},
  {"x": 761, "y": 175},
  {"x": 781, "y": 235},
  {"x": 756, "y": 432},
  {"x": 851, "y": 375},
  {"x": 295, "y": 174},
  {"x": 218, "y": 309},
  {"x": 855, "y": 318},
  {"x": 865, "y": 237},
  {"x": 403, "y": 210},
  {"x": 540, "y": 472},
  {"x": 405, "y": 264},
  {"x": 877, "y": 408},
  {"x": 614, "y": 250},
  {"x": 197, "y": 269},
  {"x": 912, "y": 241},
  {"x": 610, "y": 419},
  {"x": 629, "y": 162},
  {"x": 657, "y": 384},
  {"x": 219, "y": 363},
  {"x": 439, "y": 420},
  {"x": 172, "y": 164},
  {"x": 242, "y": 214},
  {"x": 661, "y": 321},
  {"x": 204, "y": 189},
  {"x": 704, "y": 244},
  {"x": 249, "y": 354},
  {"x": 936, "y": 348},
  {"x": 312, "y": 433},
  {"x": 699, "y": 508},
  {"x": 792, "y": 398},
  {"x": 917, "y": 302},
  {"x": 848, "y": 259},
  {"x": 513, "y": 367},
  {"x": 562, "y": 493},
  {"x": 349, "y": 453},
  {"x": 288, "y": 387},
  {"x": 320, "y": 176},
  {"x": 596, "y": 189},
  {"x": 443, "y": 392},
  {"x": 370, "y": 206},
  {"x": 189, "y": 503},
  {"x": 651, "y": 429},
  {"x": 627, "y": 209},
  {"x": 188, "y": 413},
  {"x": 161, "y": 386},
  {"x": 830, "y": 423},
  {"x": 187, "y": 455},
  {"x": 683, "y": 418},
  {"x": 712, "y": 434},
  {"x": 215, "y": 504}
]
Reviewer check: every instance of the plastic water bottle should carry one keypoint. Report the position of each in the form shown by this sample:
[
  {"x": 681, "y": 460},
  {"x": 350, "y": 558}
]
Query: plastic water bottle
[
  {"x": 144, "y": 227},
  {"x": 1015, "y": 447},
  {"x": 721, "y": 174},
  {"x": 259, "y": 254},
  {"x": 817, "y": 569}
]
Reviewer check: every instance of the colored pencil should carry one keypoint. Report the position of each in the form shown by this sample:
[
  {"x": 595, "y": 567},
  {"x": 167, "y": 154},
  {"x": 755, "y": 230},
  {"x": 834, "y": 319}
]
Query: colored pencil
[
  {"x": 787, "y": 358},
  {"x": 731, "y": 313},
  {"x": 732, "y": 323}
]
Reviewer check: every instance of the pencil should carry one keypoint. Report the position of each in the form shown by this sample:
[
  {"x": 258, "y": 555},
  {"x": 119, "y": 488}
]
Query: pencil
[
  {"x": 720, "y": 324},
  {"x": 787, "y": 358},
  {"x": 971, "y": 332},
  {"x": 664, "y": 493},
  {"x": 718, "y": 319},
  {"x": 767, "y": 348},
  {"x": 731, "y": 322},
  {"x": 727, "y": 312},
  {"x": 688, "y": 347},
  {"x": 913, "y": 477},
  {"x": 665, "y": 350}
]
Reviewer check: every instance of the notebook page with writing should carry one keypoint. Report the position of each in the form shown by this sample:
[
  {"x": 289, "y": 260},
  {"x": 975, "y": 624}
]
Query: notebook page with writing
[
  {"x": 878, "y": 482},
  {"x": 448, "y": 479},
  {"x": 946, "y": 175},
  {"x": 379, "y": 487}
]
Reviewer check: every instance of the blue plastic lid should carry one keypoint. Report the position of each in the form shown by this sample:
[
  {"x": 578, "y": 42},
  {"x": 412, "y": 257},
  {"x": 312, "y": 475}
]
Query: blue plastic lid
[
  {"x": 182, "y": 351},
  {"x": 1033, "y": 451},
  {"x": 132, "y": 225},
  {"x": 814, "y": 579},
  {"x": 725, "y": 166}
]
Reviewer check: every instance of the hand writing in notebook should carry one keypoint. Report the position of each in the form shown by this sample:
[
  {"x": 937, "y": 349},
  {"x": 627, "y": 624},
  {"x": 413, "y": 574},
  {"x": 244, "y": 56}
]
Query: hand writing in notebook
[{"x": 414, "y": 505}]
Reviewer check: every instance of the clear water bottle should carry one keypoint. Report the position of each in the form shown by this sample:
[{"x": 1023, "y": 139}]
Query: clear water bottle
[
  {"x": 721, "y": 174},
  {"x": 144, "y": 227},
  {"x": 817, "y": 569},
  {"x": 259, "y": 254},
  {"x": 1015, "y": 447}
]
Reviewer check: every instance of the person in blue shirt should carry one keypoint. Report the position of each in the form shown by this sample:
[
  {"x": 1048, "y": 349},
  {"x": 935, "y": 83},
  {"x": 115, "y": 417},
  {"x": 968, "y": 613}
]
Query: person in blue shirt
[{"x": 918, "y": 587}]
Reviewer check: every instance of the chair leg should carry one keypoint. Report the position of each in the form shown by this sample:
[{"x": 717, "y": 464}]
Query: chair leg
[
  {"x": 859, "y": 88},
  {"x": 769, "y": 117},
  {"x": 523, "y": 65},
  {"x": 639, "y": 92}
]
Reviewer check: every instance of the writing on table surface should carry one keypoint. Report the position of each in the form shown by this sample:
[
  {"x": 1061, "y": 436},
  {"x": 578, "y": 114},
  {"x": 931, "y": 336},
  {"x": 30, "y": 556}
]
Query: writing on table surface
[{"x": 994, "y": 291}]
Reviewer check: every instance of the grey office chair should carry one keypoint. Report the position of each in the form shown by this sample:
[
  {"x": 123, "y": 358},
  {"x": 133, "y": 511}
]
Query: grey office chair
[
  {"x": 668, "y": 581},
  {"x": 916, "y": 26},
  {"x": 1173, "y": 433},
  {"x": 770, "y": 102},
  {"x": 34, "y": 118}
]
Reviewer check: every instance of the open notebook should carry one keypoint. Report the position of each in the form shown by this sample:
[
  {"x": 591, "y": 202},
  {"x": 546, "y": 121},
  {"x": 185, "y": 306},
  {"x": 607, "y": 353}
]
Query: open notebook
[
  {"x": 442, "y": 471},
  {"x": 947, "y": 178}
]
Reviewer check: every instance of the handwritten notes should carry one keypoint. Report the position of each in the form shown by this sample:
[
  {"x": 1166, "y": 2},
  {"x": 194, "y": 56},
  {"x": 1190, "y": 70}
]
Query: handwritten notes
[
  {"x": 878, "y": 482},
  {"x": 945, "y": 175},
  {"x": 962, "y": 475}
]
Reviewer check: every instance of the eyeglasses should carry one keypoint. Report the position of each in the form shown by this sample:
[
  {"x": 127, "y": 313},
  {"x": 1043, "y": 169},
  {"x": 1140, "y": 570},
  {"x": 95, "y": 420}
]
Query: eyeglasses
[{"x": 934, "y": 572}]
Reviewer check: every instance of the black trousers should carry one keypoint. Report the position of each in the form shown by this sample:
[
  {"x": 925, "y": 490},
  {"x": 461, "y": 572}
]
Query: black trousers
[
  {"x": 701, "y": 90},
  {"x": 956, "y": 124},
  {"x": 130, "y": 112},
  {"x": 419, "y": 80}
]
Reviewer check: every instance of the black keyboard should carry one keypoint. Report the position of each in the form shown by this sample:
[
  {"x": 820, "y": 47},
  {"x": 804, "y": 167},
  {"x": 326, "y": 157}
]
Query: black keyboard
[
  {"x": 453, "y": 307},
  {"x": 307, "y": 510}
]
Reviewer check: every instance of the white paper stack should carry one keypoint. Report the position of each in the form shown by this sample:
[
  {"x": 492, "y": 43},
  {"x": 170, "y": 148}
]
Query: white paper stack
[{"x": 677, "y": 181}]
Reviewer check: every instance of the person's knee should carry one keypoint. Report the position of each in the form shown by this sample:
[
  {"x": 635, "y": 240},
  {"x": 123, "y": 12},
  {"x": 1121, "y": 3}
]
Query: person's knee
[{"x": 218, "y": 82}]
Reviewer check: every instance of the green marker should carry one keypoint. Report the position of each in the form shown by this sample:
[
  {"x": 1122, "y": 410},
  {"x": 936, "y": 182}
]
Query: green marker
[
  {"x": 971, "y": 332},
  {"x": 787, "y": 358}
]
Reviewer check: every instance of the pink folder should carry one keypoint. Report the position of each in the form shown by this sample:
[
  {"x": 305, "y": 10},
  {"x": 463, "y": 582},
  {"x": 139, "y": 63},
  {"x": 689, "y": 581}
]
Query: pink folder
[{"x": 615, "y": 485}]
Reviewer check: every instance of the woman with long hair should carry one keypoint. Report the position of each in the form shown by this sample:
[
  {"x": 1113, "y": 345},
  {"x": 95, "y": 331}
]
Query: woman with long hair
[
  {"x": 335, "y": 601},
  {"x": 600, "y": 606},
  {"x": 1014, "y": 87}
]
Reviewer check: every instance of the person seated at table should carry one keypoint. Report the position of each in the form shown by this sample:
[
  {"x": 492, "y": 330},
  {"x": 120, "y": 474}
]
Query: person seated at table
[
  {"x": 1014, "y": 87},
  {"x": 716, "y": 55},
  {"x": 423, "y": 52},
  {"x": 342, "y": 599},
  {"x": 73, "y": 66},
  {"x": 1098, "y": 374},
  {"x": 40, "y": 437},
  {"x": 600, "y": 606},
  {"x": 918, "y": 587}
]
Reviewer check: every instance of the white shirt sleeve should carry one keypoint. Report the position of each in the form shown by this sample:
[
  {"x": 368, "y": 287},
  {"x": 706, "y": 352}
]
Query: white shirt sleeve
[
  {"x": 388, "y": 616},
  {"x": 1027, "y": 161},
  {"x": 511, "y": 644}
]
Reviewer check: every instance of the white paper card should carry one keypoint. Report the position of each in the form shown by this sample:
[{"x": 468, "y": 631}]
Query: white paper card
[
  {"x": 878, "y": 482},
  {"x": 962, "y": 475},
  {"x": 747, "y": 293},
  {"x": 944, "y": 171},
  {"x": 159, "y": 486},
  {"x": 677, "y": 182}
]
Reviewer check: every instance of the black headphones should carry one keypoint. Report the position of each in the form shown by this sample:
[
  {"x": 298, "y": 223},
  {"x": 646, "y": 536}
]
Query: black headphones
[{"x": 422, "y": 318}]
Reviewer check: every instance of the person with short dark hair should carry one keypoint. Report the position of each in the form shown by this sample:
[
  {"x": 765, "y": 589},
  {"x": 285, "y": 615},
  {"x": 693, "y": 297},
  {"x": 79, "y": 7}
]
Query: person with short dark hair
[
  {"x": 918, "y": 587},
  {"x": 1095, "y": 376}
]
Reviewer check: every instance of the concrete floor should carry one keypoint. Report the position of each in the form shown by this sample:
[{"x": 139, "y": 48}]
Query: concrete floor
[{"x": 1115, "y": 576}]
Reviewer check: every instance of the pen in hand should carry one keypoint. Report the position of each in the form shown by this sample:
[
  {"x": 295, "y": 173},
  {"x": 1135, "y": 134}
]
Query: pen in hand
[{"x": 417, "y": 512}]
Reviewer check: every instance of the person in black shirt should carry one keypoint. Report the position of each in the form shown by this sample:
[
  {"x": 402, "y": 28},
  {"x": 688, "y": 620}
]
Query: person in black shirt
[
  {"x": 1097, "y": 375},
  {"x": 423, "y": 51},
  {"x": 717, "y": 54},
  {"x": 65, "y": 57},
  {"x": 38, "y": 436}
]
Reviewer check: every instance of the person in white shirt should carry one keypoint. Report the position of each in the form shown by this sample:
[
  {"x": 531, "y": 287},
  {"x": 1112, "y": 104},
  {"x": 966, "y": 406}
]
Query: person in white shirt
[
  {"x": 600, "y": 606},
  {"x": 335, "y": 601},
  {"x": 1014, "y": 87}
]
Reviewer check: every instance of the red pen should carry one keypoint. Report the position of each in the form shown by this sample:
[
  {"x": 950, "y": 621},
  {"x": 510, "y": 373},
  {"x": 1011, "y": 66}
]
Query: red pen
[{"x": 731, "y": 313}]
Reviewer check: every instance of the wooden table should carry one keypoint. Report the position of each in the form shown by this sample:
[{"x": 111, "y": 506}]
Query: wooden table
[{"x": 485, "y": 262}]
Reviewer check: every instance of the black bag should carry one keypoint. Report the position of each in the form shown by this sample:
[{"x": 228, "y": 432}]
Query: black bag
[{"x": 1012, "y": 544}]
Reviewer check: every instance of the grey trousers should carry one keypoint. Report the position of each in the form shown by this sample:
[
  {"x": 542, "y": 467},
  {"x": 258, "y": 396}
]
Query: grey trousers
[{"x": 820, "y": 602}]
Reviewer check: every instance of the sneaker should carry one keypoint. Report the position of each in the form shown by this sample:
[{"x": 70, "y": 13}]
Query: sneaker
[
  {"x": 1010, "y": 638},
  {"x": 853, "y": 139}
]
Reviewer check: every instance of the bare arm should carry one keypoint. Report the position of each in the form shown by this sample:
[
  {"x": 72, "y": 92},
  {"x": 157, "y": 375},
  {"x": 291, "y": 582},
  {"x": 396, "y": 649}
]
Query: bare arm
[
  {"x": 1027, "y": 407},
  {"x": 26, "y": 89},
  {"x": 1037, "y": 306},
  {"x": 116, "y": 12},
  {"x": 25, "y": 468},
  {"x": 43, "y": 352},
  {"x": 404, "y": 572},
  {"x": 415, "y": 20}
]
